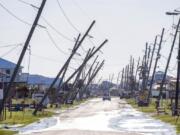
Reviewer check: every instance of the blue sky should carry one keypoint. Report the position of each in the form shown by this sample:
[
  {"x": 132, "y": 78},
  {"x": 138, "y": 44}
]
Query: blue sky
[{"x": 128, "y": 24}]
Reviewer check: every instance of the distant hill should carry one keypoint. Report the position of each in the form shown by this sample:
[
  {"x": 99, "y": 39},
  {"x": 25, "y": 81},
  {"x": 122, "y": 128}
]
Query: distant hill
[{"x": 37, "y": 79}]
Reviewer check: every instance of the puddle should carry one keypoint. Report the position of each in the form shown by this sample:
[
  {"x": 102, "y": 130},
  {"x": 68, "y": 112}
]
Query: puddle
[
  {"x": 37, "y": 126},
  {"x": 130, "y": 120}
]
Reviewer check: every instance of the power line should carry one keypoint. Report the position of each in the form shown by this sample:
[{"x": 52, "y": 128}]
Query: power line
[
  {"x": 67, "y": 18},
  {"x": 49, "y": 24},
  {"x": 11, "y": 45},
  {"x": 58, "y": 32},
  {"x": 54, "y": 43},
  {"x": 48, "y": 59},
  {"x": 8, "y": 52},
  {"x": 82, "y": 10},
  {"x": 13, "y": 15},
  {"x": 70, "y": 22},
  {"x": 24, "y": 2}
]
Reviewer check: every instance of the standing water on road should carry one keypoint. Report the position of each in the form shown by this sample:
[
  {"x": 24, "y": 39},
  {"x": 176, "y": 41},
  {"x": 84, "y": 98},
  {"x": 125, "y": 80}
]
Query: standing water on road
[
  {"x": 130, "y": 120},
  {"x": 97, "y": 115}
]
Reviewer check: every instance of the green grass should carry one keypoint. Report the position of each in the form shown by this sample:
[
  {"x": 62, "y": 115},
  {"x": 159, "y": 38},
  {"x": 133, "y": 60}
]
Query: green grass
[
  {"x": 150, "y": 109},
  {"x": 168, "y": 118},
  {"x": 25, "y": 117},
  {"x": 7, "y": 132}
]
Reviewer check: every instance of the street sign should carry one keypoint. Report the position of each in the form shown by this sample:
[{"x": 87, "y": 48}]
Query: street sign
[{"x": 1, "y": 94}]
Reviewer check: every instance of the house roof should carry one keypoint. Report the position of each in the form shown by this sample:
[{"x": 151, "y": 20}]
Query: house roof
[{"x": 5, "y": 64}]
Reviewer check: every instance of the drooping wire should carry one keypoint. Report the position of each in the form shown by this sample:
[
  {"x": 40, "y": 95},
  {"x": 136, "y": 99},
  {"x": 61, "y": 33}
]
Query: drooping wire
[
  {"x": 48, "y": 23},
  {"x": 8, "y": 52},
  {"x": 10, "y": 45},
  {"x": 70, "y": 22},
  {"x": 67, "y": 18},
  {"x": 47, "y": 59},
  {"x": 58, "y": 32},
  {"x": 54, "y": 43},
  {"x": 13, "y": 15},
  {"x": 82, "y": 10}
]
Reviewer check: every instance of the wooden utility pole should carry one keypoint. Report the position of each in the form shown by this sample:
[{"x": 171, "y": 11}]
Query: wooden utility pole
[
  {"x": 127, "y": 77},
  {"x": 152, "y": 55},
  {"x": 84, "y": 62},
  {"x": 155, "y": 65},
  {"x": 167, "y": 65},
  {"x": 77, "y": 45},
  {"x": 89, "y": 72},
  {"x": 137, "y": 68},
  {"x": 125, "y": 83},
  {"x": 94, "y": 75},
  {"x": 74, "y": 92},
  {"x": 177, "y": 81},
  {"x": 118, "y": 84},
  {"x": 93, "y": 52},
  {"x": 78, "y": 76},
  {"x": 35, "y": 23},
  {"x": 122, "y": 80},
  {"x": 148, "y": 58},
  {"x": 132, "y": 76},
  {"x": 82, "y": 88},
  {"x": 144, "y": 70}
]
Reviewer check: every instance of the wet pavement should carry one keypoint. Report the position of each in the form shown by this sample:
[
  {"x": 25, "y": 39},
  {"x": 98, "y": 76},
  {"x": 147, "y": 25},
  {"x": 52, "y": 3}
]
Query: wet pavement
[{"x": 97, "y": 117}]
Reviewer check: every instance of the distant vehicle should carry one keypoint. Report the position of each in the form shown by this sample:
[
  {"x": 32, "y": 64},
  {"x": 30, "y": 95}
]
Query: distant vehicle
[{"x": 106, "y": 96}]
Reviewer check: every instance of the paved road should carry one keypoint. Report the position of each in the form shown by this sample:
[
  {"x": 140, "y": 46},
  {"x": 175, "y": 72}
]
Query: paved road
[{"x": 97, "y": 117}]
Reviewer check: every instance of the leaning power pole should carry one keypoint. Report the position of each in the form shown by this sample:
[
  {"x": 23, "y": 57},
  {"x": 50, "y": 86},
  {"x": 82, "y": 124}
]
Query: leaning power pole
[
  {"x": 35, "y": 23},
  {"x": 144, "y": 69},
  {"x": 177, "y": 81},
  {"x": 148, "y": 58},
  {"x": 76, "y": 47},
  {"x": 167, "y": 65},
  {"x": 152, "y": 55},
  {"x": 86, "y": 75},
  {"x": 155, "y": 65},
  {"x": 95, "y": 72},
  {"x": 137, "y": 68},
  {"x": 122, "y": 80},
  {"x": 85, "y": 61}
]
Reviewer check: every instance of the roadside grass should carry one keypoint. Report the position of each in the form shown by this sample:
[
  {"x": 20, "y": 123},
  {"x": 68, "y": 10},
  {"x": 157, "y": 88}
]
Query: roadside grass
[
  {"x": 7, "y": 132},
  {"x": 151, "y": 110},
  {"x": 25, "y": 117}
]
